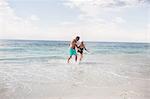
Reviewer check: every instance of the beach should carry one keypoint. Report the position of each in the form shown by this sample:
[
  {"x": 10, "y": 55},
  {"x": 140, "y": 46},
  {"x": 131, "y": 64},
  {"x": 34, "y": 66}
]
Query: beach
[{"x": 36, "y": 69}]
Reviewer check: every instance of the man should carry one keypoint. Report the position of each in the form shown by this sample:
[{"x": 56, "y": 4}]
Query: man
[{"x": 73, "y": 46}]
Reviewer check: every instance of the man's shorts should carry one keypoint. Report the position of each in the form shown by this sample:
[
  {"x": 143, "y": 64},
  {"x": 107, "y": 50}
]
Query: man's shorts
[{"x": 72, "y": 52}]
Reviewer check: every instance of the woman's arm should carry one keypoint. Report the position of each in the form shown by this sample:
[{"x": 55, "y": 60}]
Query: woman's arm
[{"x": 85, "y": 48}]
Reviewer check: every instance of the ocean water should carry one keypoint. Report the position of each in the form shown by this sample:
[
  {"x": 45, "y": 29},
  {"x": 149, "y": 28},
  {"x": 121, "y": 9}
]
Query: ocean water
[{"x": 34, "y": 69}]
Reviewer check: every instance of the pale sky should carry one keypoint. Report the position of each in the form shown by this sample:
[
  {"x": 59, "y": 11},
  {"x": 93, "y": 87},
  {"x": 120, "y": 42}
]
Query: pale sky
[{"x": 93, "y": 20}]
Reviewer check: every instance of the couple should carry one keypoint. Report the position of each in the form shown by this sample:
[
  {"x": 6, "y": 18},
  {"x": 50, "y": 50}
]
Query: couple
[{"x": 74, "y": 46}]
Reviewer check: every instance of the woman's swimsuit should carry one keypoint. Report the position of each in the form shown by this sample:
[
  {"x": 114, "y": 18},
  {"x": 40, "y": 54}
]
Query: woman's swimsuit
[{"x": 80, "y": 50}]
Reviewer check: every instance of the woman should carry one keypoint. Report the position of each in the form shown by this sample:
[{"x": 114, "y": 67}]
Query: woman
[{"x": 80, "y": 49}]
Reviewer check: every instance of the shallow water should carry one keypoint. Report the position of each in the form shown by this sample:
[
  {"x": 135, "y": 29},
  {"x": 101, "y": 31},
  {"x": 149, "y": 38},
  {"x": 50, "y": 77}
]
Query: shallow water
[{"x": 38, "y": 70}]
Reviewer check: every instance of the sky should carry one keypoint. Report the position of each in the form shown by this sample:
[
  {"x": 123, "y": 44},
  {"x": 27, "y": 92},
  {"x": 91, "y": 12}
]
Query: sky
[{"x": 92, "y": 20}]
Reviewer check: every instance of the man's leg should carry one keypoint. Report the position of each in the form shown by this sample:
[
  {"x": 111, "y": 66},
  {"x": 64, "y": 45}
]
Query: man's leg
[
  {"x": 69, "y": 59},
  {"x": 76, "y": 58}
]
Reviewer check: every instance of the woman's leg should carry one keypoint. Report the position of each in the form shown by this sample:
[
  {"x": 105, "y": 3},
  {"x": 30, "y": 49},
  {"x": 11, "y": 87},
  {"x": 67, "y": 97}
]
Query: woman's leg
[{"x": 81, "y": 56}]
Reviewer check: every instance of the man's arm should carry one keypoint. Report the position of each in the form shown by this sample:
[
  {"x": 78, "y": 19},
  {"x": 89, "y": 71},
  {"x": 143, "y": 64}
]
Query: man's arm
[{"x": 77, "y": 46}]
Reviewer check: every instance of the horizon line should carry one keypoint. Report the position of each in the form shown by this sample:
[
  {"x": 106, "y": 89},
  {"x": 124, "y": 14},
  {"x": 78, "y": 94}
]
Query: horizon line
[{"x": 84, "y": 40}]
